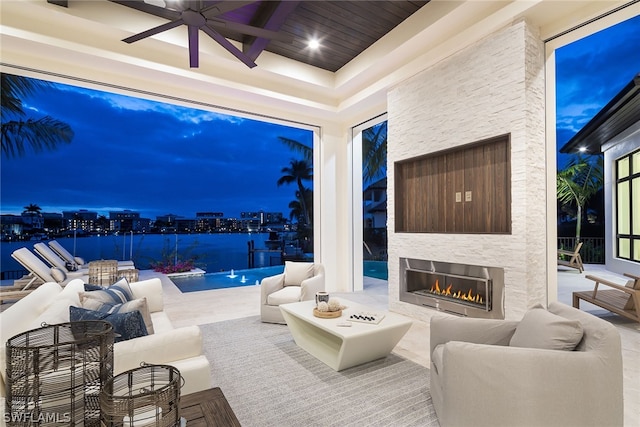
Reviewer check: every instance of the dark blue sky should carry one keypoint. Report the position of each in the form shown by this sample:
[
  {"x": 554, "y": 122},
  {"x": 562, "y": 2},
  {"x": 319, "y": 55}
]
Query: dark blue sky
[
  {"x": 151, "y": 157},
  {"x": 590, "y": 72},
  {"x": 159, "y": 158}
]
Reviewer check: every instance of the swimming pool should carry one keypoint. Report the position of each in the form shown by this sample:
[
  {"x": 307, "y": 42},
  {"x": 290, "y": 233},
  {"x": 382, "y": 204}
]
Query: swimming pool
[{"x": 253, "y": 276}]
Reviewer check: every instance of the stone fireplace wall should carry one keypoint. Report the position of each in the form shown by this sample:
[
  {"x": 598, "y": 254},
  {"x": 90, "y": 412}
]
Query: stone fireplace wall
[{"x": 493, "y": 87}]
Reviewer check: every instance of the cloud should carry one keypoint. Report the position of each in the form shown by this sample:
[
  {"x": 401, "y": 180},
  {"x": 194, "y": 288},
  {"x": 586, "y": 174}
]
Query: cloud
[{"x": 150, "y": 157}]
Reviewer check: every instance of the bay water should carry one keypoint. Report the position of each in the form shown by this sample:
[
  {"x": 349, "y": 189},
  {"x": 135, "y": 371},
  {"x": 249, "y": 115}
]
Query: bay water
[{"x": 210, "y": 252}]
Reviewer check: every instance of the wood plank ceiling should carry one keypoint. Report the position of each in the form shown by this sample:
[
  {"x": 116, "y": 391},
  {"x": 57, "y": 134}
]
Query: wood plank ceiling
[{"x": 344, "y": 29}]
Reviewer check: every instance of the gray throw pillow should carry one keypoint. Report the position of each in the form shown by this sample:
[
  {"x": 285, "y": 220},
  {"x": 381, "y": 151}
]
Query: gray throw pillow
[
  {"x": 139, "y": 304},
  {"x": 541, "y": 329},
  {"x": 125, "y": 325},
  {"x": 118, "y": 293}
]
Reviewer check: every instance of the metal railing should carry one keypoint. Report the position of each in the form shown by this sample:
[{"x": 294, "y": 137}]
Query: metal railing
[
  {"x": 592, "y": 251},
  {"x": 12, "y": 274}
]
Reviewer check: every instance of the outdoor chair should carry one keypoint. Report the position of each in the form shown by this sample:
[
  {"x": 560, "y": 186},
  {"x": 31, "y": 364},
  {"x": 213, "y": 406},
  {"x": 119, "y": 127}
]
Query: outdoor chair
[
  {"x": 80, "y": 262},
  {"x": 622, "y": 299},
  {"x": 39, "y": 272},
  {"x": 574, "y": 261},
  {"x": 299, "y": 282},
  {"x": 55, "y": 261}
]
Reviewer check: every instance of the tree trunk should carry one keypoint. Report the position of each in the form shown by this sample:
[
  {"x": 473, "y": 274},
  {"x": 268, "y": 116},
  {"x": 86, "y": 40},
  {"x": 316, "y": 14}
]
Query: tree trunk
[{"x": 578, "y": 223}]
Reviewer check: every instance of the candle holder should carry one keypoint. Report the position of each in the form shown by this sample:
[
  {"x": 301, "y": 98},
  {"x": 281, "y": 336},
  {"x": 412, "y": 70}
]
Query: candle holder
[{"x": 145, "y": 396}]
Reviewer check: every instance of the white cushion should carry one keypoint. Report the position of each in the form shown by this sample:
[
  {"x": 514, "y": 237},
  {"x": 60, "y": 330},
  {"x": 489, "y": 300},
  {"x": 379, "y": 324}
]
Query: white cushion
[
  {"x": 161, "y": 322},
  {"x": 285, "y": 295},
  {"x": 296, "y": 272},
  {"x": 72, "y": 290},
  {"x": 58, "y": 274},
  {"x": 542, "y": 329},
  {"x": 57, "y": 312},
  {"x": 152, "y": 290}
]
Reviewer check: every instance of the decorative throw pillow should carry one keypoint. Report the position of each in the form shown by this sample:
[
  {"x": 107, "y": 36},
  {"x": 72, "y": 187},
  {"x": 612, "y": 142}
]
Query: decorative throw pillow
[
  {"x": 89, "y": 287},
  {"x": 126, "y": 326},
  {"x": 58, "y": 275},
  {"x": 296, "y": 272},
  {"x": 139, "y": 304},
  {"x": 118, "y": 293},
  {"x": 542, "y": 329}
]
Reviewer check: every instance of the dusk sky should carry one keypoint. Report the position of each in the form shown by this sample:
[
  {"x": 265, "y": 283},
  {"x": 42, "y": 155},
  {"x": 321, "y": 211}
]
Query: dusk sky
[
  {"x": 150, "y": 157},
  {"x": 157, "y": 158},
  {"x": 590, "y": 72}
]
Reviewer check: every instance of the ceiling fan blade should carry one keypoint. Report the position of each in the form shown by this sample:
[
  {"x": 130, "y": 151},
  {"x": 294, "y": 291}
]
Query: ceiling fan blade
[
  {"x": 154, "y": 31},
  {"x": 168, "y": 14},
  {"x": 194, "y": 60},
  {"x": 250, "y": 30},
  {"x": 223, "y": 7},
  {"x": 229, "y": 46}
]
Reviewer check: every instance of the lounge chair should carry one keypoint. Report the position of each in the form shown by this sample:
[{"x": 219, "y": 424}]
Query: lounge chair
[
  {"x": 39, "y": 272},
  {"x": 574, "y": 261},
  {"x": 55, "y": 261},
  {"x": 622, "y": 299},
  {"x": 80, "y": 262}
]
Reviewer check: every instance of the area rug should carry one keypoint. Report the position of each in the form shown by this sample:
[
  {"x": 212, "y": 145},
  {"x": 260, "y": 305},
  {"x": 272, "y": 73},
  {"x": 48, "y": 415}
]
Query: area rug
[{"x": 270, "y": 381}]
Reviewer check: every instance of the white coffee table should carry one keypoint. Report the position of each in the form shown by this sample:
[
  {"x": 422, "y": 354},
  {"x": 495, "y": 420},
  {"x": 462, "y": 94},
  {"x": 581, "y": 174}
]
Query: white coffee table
[{"x": 344, "y": 347}]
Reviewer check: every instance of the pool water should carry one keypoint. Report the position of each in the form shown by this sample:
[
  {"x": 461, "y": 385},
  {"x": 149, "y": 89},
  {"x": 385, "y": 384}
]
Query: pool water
[
  {"x": 223, "y": 280},
  {"x": 253, "y": 276}
]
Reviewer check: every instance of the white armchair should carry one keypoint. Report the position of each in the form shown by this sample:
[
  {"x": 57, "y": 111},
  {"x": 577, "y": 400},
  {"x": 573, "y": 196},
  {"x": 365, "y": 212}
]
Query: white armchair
[
  {"x": 487, "y": 372},
  {"x": 299, "y": 282}
]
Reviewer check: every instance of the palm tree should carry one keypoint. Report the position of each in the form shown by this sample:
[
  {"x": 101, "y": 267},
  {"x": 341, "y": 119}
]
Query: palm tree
[
  {"x": 298, "y": 147},
  {"x": 297, "y": 172},
  {"x": 18, "y": 133},
  {"x": 578, "y": 182},
  {"x": 32, "y": 208},
  {"x": 374, "y": 151}
]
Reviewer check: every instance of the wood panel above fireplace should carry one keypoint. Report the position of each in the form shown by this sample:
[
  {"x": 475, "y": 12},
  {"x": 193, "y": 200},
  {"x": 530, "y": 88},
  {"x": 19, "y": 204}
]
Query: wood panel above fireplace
[{"x": 463, "y": 190}]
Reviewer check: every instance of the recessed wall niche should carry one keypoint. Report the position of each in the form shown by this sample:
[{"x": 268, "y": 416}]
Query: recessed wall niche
[{"x": 463, "y": 190}]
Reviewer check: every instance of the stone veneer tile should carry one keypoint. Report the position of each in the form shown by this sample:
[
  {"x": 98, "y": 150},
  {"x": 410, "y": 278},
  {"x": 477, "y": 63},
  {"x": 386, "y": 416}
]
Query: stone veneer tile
[{"x": 491, "y": 88}]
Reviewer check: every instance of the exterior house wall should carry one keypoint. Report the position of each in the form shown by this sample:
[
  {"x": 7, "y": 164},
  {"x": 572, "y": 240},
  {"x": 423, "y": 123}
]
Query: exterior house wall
[
  {"x": 623, "y": 144},
  {"x": 494, "y": 87}
]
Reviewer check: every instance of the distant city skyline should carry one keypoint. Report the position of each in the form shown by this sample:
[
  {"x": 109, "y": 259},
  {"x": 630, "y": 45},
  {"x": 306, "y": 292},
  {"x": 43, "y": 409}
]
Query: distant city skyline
[{"x": 150, "y": 157}]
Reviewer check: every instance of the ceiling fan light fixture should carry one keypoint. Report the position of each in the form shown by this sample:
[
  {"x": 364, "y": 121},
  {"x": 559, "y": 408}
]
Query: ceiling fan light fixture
[{"x": 313, "y": 44}]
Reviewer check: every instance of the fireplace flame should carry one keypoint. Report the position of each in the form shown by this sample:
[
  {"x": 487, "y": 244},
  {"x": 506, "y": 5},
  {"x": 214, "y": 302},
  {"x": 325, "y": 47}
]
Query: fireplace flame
[{"x": 465, "y": 296}]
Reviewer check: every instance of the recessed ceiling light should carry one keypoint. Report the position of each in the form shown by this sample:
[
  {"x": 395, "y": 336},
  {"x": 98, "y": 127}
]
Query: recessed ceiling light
[
  {"x": 314, "y": 44},
  {"x": 582, "y": 149}
]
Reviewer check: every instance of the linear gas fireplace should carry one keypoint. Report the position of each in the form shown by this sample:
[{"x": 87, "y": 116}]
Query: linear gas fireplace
[{"x": 466, "y": 290}]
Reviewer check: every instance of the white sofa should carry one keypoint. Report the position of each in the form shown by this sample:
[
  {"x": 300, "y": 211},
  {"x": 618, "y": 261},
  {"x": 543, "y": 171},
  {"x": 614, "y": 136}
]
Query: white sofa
[{"x": 179, "y": 347}]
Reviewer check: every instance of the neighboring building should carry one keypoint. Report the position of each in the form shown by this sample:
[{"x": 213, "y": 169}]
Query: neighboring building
[
  {"x": 208, "y": 221},
  {"x": 374, "y": 200},
  {"x": 615, "y": 131},
  {"x": 80, "y": 220},
  {"x": 32, "y": 220},
  {"x": 128, "y": 220},
  {"x": 53, "y": 222},
  {"x": 11, "y": 227}
]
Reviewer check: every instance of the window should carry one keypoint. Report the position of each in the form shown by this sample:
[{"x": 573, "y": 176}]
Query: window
[{"x": 628, "y": 206}]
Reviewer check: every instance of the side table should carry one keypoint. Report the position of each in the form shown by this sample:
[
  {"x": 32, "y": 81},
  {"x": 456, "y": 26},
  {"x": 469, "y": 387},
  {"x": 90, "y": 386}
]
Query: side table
[{"x": 207, "y": 408}]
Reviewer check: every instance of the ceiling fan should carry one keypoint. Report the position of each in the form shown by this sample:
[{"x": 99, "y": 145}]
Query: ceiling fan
[{"x": 206, "y": 16}]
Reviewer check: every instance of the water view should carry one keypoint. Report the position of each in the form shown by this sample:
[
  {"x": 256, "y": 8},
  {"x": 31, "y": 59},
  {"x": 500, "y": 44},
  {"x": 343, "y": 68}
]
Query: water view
[{"x": 210, "y": 252}]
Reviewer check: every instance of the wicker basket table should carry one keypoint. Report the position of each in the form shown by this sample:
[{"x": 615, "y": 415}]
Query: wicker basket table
[
  {"x": 55, "y": 373},
  {"x": 103, "y": 272}
]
